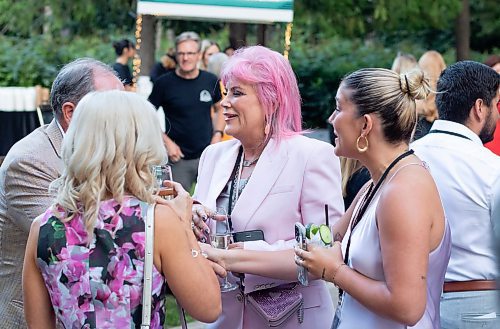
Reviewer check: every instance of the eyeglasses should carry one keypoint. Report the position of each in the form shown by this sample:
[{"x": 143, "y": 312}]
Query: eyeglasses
[{"x": 188, "y": 54}]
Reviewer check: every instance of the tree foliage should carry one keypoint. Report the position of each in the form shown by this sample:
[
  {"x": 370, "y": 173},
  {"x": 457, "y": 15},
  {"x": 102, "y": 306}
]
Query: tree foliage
[
  {"x": 359, "y": 18},
  {"x": 26, "y": 18}
]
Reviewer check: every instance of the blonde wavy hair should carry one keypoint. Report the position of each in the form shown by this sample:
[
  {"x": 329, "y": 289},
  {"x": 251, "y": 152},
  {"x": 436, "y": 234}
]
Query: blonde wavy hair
[
  {"x": 348, "y": 167},
  {"x": 432, "y": 63},
  {"x": 404, "y": 63},
  {"x": 113, "y": 140}
]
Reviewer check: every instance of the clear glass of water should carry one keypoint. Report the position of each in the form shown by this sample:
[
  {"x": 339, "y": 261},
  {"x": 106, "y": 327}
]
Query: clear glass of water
[{"x": 221, "y": 239}]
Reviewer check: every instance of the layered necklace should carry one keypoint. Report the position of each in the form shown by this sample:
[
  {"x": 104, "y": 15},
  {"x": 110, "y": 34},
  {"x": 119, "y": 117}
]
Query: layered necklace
[{"x": 247, "y": 163}]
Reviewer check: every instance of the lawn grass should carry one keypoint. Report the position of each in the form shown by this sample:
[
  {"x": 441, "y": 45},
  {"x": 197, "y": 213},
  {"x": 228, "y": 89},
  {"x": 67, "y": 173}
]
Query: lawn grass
[{"x": 172, "y": 315}]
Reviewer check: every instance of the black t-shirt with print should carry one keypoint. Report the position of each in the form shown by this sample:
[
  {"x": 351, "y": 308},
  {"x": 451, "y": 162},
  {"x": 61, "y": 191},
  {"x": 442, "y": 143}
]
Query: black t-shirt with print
[{"x": 187, "y": 104}]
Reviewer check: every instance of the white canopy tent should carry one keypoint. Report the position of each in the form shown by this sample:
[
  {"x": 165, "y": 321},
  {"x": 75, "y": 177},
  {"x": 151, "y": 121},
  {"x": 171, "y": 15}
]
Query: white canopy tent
[{"x": 246, "y": 11}]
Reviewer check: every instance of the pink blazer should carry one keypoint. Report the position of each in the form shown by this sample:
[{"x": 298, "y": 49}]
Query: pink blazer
[{"x": 291, "y": 182}]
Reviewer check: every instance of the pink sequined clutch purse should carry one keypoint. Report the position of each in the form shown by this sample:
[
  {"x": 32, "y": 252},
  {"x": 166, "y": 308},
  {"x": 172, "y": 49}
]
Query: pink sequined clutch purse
[{"x": 276, "y": 305}]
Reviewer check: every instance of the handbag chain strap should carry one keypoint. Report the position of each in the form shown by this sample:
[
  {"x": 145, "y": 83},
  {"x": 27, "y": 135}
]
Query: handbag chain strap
[
  {"x": 148, "y": 268},
  {"x": 148, "y": 274}
]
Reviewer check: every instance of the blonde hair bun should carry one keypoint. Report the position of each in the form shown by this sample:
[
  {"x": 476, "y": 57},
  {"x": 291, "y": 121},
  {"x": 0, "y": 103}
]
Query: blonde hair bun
[{"x": 415, "y": 84}]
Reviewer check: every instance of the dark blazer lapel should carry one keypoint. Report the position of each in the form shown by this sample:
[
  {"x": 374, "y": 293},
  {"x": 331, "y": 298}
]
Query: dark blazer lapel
[
  {"x": 222, "y": 171},
  {"x": 55, "y": 136},
  {"x": 268, "y": 168}
]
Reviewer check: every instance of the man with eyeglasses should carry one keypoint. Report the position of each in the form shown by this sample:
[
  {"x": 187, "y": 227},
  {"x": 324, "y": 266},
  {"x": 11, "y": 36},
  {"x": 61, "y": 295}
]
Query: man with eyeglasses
[{"x": 188, "y": 95}]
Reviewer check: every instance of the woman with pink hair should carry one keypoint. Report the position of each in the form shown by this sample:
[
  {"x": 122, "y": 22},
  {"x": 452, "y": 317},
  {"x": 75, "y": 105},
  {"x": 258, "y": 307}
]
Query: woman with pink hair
[{"x": 267, "y": 178}]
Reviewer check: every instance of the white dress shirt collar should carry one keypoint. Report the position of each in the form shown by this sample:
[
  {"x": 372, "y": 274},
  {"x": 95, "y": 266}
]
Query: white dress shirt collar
[{"x": 456, "y": 128}]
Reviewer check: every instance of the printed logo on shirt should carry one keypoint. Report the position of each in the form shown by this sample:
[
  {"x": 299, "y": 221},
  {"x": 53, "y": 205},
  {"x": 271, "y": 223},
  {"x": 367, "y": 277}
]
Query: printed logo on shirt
[{"x": 205, "y": 96}]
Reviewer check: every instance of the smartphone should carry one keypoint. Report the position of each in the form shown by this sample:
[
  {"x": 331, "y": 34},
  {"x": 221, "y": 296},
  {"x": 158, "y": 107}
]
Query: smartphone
[
  {"x": 300, "y": 237},
  {"x": 252, "y": 235}
]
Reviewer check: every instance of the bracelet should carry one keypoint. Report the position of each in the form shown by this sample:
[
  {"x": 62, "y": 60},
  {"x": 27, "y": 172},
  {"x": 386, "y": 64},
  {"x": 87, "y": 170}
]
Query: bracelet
[
  {"x": 195, "y": 253},
  {"x": 218, "y": 132},
  {"x": 335, "y": 272}
]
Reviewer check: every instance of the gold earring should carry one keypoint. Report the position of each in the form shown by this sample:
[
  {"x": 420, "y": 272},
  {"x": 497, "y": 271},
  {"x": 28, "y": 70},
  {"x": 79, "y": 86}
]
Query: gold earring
[{"x": 362, "y": 149}]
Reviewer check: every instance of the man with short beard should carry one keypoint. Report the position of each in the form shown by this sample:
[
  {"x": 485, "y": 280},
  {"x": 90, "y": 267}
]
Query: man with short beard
[{"x": 468, "y": 178}]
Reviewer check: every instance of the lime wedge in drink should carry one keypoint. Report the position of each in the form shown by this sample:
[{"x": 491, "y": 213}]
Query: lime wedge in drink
[
  {"x": 325, "y": 235},
  {"x": 311, "y": 229}
]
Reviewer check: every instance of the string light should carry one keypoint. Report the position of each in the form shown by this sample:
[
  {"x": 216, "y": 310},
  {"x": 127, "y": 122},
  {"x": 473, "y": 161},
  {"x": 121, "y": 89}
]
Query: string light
[
  {"x": 137, "y": 58},
  {"x": 288, "y": 36}
]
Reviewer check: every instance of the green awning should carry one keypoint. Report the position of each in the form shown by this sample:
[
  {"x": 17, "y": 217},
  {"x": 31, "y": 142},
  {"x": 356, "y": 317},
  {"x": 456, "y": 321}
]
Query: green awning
[{"x": 249, "y": 11}]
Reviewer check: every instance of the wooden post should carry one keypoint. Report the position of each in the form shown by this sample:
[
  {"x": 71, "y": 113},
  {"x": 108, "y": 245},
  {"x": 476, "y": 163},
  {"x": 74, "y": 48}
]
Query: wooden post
[
  {"x": 462, "y": 32},
  {"x": 237, "y": 35}
]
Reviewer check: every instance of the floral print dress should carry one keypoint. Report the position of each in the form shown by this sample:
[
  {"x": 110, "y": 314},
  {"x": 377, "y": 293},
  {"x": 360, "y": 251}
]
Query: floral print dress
[{"x": 99, "y": 285}]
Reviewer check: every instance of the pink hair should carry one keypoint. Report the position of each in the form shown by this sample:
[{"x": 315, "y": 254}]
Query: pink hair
[{"x": 275, "y": 83}]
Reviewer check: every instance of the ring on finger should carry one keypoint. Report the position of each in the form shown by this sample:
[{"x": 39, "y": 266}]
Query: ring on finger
[{"x": 192, "y": 225}]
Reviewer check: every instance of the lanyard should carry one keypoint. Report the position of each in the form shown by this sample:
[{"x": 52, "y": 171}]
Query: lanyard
[
  {"x": 234, "y": 184},
  {"x": 372, "y": 190},
  {"x": 452, "y": 133}
]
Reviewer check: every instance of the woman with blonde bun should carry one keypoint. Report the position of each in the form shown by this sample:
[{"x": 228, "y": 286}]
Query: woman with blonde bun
[{"x": 391, "y": 262}]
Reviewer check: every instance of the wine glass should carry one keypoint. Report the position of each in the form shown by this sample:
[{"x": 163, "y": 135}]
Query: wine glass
[
  {"x": 162, "y": 173},
  {"x": 221, "y": 239}
]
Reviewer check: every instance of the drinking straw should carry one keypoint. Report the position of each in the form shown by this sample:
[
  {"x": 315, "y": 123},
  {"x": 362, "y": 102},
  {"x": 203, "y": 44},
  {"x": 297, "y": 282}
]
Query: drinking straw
[{"x": 326, "y": 216}]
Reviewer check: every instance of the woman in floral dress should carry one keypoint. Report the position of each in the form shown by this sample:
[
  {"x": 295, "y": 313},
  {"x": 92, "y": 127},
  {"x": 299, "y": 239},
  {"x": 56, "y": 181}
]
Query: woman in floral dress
[{"x": 85, "y": 255}]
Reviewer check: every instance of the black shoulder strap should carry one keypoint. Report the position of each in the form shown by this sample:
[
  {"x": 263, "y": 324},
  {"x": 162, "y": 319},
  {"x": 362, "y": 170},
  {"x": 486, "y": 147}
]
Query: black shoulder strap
[{"x": 452, "y": 133}]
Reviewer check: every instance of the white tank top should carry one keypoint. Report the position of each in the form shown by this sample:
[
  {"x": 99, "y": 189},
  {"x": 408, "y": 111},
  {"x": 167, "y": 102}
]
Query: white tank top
[{"x": 366, "y": 258}]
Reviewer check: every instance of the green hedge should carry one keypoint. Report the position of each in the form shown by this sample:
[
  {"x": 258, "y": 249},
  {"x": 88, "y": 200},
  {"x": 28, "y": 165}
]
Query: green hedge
[
  {"x": 320, "y": 63},
  {"x": 321, "y": 66},
  {"x": 36, "y": 61}
]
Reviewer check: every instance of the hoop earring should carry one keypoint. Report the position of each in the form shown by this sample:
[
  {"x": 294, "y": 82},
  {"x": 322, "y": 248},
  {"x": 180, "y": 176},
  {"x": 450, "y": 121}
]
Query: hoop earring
[{"x": 362, "y": 149}]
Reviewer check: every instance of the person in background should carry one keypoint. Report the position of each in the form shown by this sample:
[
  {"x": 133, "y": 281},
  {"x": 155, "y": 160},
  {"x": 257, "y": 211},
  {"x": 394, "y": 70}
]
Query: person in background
[
  {"x": 215, "y": 64},
  {"x": 267, "y": 178},
  {"x": 404, "y": 63},
  {"x": 187, "y": 96},
  {"x": 354, "y": 177},
  {"x": 396, "y": 242},
  {"x": 208, "y": 48},
  {"x": 494, "y": 146},
  {"x": 229, "y": 51},
  {"x": 432, "y": 63},
  {"x": 125, "y": 50},
  {"x": 29, "y": 168},
  {"x": 84, "y": 259},
  {"x": 167, "y": 63},
  {"x": 493, "y": 61},
  {"x": 468, "y": 176}
]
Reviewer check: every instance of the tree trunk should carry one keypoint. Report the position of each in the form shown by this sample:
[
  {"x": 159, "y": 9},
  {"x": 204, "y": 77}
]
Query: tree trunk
[
  {"x": 159, "y": 36},
  {"x": 147, "y": 50},
  {"x": 237, "y": 35},
  {"x": 261, "y": 34},
  {"x": 462, "y": 32}
]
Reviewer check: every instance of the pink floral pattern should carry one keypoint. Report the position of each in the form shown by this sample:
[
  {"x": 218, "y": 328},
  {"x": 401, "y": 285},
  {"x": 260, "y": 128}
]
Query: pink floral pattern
[{"x": 100, "y": 285}]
